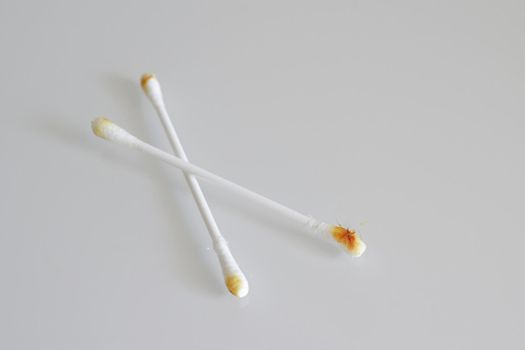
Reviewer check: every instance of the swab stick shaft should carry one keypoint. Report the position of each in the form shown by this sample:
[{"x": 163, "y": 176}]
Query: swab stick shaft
[
  {"x": 232, "y": 186},
  {"x": 234, "y": 278},
  {"x": 106, "y": 129}
]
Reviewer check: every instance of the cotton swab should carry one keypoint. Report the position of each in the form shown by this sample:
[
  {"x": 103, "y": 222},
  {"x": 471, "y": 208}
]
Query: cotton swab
[
  {"x": 347, "y": 238},
  {"x": 235, "y": 280}
]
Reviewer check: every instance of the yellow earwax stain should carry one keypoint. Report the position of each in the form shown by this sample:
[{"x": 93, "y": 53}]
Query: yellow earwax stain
[
  {"x": 234, "y": 284},
  {"x": 348, "y": 238},
  {"x": 98, "y": 126},
  {"x": 145, "y": 78}
]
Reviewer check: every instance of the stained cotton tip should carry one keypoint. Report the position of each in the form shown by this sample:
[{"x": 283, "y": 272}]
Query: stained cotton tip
[
  {"x": 106, "y": 129},
  {"x": 237, "y": 285},
  {"x": 151, "y": 87},
  {"x": 145, "y": 78},
  {"x": 349, "y": 239},
  {"x": 100, "y": 127}
]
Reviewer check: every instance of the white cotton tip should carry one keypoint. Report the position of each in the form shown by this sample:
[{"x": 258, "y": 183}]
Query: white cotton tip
[
  {"x": 106, "y": 129},
  {"x": 151, "y": 87}
]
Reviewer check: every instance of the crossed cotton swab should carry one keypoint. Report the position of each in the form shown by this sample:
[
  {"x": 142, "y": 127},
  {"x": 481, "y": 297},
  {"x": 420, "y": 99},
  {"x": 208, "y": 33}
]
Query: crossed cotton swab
[
  {"x": 233, "y": 277},
  {"x": 346, "y": 238}
]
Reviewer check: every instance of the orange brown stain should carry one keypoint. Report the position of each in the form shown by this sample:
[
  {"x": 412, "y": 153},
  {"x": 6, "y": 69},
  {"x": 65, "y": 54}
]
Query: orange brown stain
[
  {"x": 144, "y": 79},
  {"x": 348, "y": 238},
  {"x": 234, "y": 284}
]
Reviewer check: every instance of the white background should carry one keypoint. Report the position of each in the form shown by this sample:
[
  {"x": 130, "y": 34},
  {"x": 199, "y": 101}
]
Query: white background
[{"x": 404, "y": 119}]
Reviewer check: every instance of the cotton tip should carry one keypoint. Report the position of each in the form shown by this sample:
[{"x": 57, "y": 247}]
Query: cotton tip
[
  {"x": 237, "y": 285},
  {"x": 106, "y": 129},
  {"x": 151, "y": 87},
  {"x": 234, "y": 279},
  {"x": 349, "y": 239},
  {"x": 145, "y": 78}
]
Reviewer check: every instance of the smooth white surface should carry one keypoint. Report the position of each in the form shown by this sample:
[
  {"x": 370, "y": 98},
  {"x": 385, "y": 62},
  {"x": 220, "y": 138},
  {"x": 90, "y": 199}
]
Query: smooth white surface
[{"x": 413, "y": 113}]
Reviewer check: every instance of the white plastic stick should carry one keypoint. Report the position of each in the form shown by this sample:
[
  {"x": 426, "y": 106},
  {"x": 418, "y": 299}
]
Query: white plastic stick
[
  {"x": 234, "y": 278},
  {"x": 349, "y": 239}
]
